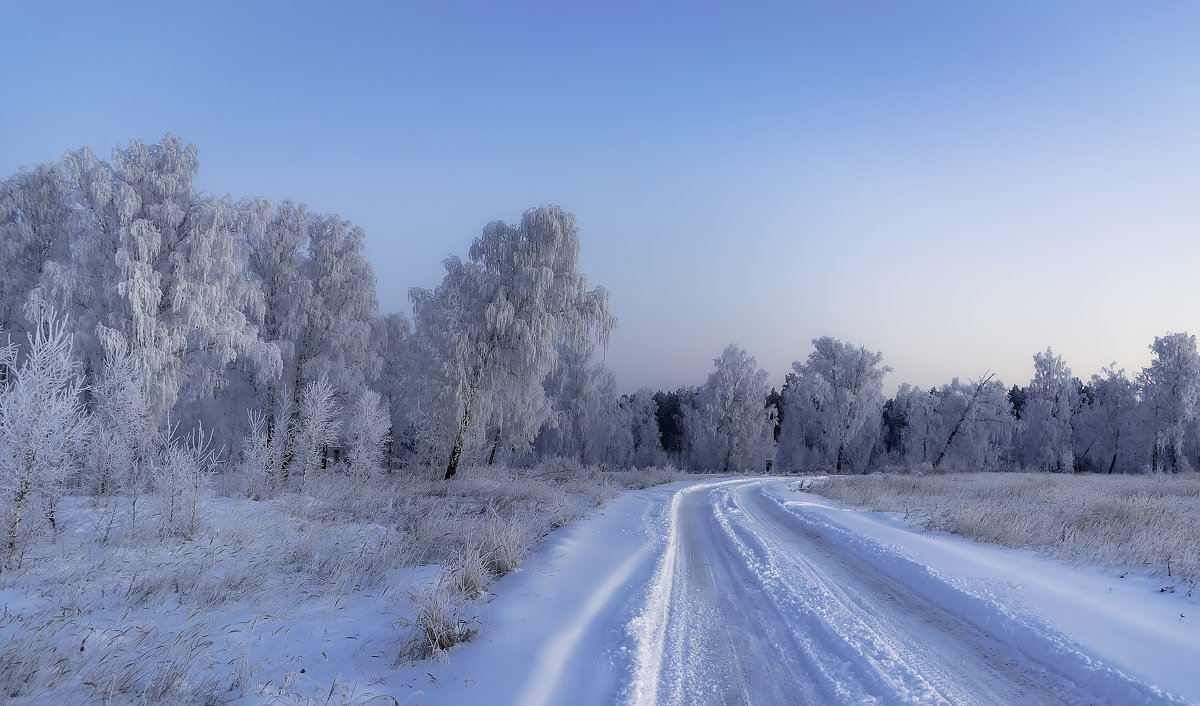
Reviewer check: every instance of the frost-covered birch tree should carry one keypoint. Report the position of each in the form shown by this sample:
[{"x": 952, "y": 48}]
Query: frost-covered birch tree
[
  {"x": 390, "y": 341},
  {"x": 729, "y": 427},
  {"x": 1106, "y": 439},
  {"x": 1046, "y": 436},
  {"x": 365, "y": 428},
  {"x": 975, "y": 425},
  {"x": 915, "y": 424},
  {"x": 318, "y": 426},
  {"x": 582, "y": 424},
  {"x": 154, "y": 264},
  {"x": 336, "y": 340},
  {"x": 493, "y": 322},
  {"x": 833, "y": 403},
  {"x": 645, "y": 440},
  {"x": 1171, "y": 389},
  {"x": 274, "y": 239},
  {"x": 42, "y": 432},
  {"x": 35, "y": 226},
  {"x": 123, "y": 438}
]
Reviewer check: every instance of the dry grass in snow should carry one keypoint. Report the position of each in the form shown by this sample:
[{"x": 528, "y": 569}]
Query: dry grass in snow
[
  {"x": 274, "y": 600},
  {"x": 1144, "y": 523}
]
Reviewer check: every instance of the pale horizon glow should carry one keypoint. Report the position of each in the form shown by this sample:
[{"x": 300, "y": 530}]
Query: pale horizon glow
[{"x": 956, "y": 185}]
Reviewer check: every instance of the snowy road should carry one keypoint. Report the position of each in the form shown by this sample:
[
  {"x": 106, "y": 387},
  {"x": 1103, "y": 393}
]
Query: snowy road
[
  {"x": 742, "y": 591},
  {"x": 761, "y": 607}
]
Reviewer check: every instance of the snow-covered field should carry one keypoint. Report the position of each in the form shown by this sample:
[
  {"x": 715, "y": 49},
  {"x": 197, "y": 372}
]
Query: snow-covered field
[
  {"x": 309, "y": 597},
  {"x": 1145, "y": 523},
  {"x": 713, "y": 590}
]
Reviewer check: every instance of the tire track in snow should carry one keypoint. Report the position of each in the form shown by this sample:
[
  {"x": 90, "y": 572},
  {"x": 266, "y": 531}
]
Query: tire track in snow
[
  {"x": 751, "y": 603},
  {"x": 553, "y": 658},
  {"x": 650, "y": 628}
]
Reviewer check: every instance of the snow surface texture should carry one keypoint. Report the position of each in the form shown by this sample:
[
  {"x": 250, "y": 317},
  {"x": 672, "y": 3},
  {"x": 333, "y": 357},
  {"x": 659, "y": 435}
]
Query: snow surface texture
[
  {"x": 730, "y": 590},
  {"x": 745, "y": 590}
]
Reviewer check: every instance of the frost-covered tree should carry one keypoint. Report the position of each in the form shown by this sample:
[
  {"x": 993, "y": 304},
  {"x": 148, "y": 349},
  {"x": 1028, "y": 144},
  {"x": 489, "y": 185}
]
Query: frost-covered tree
[
  {"x": 256, "y": 454},
  {"x": 728, "y": 426},
  {"x": 584, "y": 422},
  {"x": 916, "y": 425},
  {"x": 123, "y": 435},
  {"x": 155, "y": 265},
  {"x": 1046, "y": 435},
  {"x": 35, "y": 225},
  {"x": 611, "y": 433},
  {"x": 318, "y": 303},
  {"x": 669, "y": 414},
  {"x": 975, "y": 425},
  {"x": 645, "y": 440},
  {"x": 42, "y": 432},
  {"x": 365, "y": 428},
  {"x": 494, "y": 322},
  {"x": 336, "y": 340},
  {"x": 390, "y": 341},
  {"x": 274, "y": 240},
  {"x": 318, "y": 426},
  {"x": 1171, "y": 390},
  {"x": 833, "y": 405},
  {"x": 181, "y": 479},
  {"x": 1107, "y": 432}
]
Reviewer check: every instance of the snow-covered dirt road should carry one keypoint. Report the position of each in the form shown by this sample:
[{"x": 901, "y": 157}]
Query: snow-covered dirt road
[{"x": 745, "y": 591}]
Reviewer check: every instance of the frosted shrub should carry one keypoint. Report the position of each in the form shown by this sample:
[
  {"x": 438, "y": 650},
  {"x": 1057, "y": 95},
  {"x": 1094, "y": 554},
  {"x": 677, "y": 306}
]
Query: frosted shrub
[
  {"x": 506, "y": 543},
  {"x": 42, "y": 429},
  {"x": 318, "y": 426},
  {"x": 366, "y": 430},
  {"x": 469, "y": 571},
  {"x": 181, "y": 480},
  {"x": 441, "y": 619},
  {"x": 256, "y": 461},
  {"x": 123, "y": 430}
]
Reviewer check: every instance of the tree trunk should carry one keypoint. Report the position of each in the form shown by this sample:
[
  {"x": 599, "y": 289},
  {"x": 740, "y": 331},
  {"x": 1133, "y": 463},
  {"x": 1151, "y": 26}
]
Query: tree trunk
[
  {"x": 461, "y": 437},
  {"x": 1154, "y": 455},
  {"x": 966, "y": 411},
  {"x": 495, "y": 443},
  {"x": 22, "y": 497},
  {"x": 456, "y": 450}
]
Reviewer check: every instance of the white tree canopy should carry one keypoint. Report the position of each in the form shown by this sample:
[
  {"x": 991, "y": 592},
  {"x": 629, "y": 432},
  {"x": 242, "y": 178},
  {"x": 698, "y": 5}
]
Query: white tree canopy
[
  {"x": 833, "y": 403},
  {"x": 729, "y": 426},
  {"x": 1171, "y": 388},
  {"x": 493, "y": 322},
  {"x": 154, "y": 266},
  {"x": 1046, "y": 433}
]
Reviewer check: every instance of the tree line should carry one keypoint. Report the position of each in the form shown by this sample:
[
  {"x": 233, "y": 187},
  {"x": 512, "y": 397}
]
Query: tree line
[
  {"x": 831, "y": 415},
  {"x": 142, "y": 306}
]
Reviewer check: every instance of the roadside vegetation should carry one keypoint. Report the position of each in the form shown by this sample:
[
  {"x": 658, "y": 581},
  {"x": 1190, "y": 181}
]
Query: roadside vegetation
[
  {"x": 1145, "y": 523},
  {"x": 272, "y": 599}
]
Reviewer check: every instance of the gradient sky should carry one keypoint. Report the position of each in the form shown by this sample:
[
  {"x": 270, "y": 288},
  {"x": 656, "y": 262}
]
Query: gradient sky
[{"x": 955, "y": 184}]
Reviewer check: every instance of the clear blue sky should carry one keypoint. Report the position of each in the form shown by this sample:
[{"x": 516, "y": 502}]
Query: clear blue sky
[{"x": 956, "y": 184}]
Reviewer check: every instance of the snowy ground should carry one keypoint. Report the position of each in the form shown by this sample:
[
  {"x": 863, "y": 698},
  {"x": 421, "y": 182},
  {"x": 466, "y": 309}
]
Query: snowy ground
[
  {"x": 717, "y": 590},
  {"x": 744, "y": 590}
]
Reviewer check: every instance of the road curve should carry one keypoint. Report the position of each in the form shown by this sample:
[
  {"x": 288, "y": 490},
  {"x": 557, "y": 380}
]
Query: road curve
[{"x": 752, "y": 602}]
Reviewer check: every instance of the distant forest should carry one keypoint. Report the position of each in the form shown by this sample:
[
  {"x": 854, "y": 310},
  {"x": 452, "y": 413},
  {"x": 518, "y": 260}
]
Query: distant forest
[{"x": 145, "y": 316}]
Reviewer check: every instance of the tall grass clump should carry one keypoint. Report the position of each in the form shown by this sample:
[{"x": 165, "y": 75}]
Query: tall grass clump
[{"x": 1145, "y": 523}]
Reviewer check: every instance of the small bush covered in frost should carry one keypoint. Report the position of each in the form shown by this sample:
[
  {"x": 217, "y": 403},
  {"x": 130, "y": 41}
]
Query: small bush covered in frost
[{"x": 440, "y": 620}]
